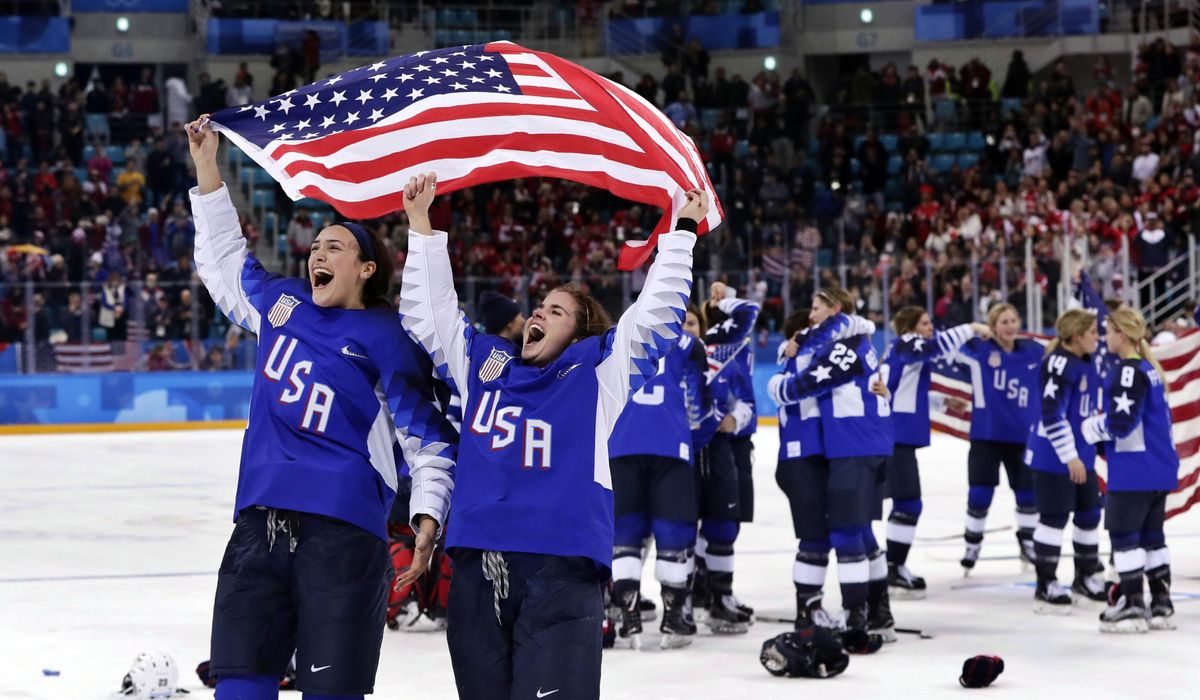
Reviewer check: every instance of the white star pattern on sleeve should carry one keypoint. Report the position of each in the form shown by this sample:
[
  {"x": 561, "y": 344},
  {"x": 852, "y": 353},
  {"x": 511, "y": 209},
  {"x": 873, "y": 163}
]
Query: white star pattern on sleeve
[
  {"x": 919, "y": 344},
  {"x": 1051, "y": 390},
  {"x": 1124, "y": 403},
  {"x": 822, "y": 373}
]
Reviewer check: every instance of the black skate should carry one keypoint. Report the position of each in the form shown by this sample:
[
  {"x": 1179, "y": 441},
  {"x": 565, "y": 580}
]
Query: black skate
[
  {"x": 701, "y": 593},
  {"x": 648, "y": 609},
  {"x": 1052, "y": 598},
  {"x": 677, "y": 625},
  {"x": 1162, "y": 612},
  {"x": 856, "y": 638},
  {"x": 903, "y": 584},
  {"x": 630, "y": 622},
  {"x": 724, "y": 618},
  {"x": 745, "y": 610},
  {"x": 810, "y": 612},
  {"x": 970, "y": 556},
  {"x": 1128, "y": 616},
  {"x": 879, "y": 619},
  {"x": 1091, "y": 587}
]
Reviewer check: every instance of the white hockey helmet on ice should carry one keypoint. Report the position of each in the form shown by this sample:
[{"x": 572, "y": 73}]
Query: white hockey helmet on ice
[{"x": 153, "y": 675}]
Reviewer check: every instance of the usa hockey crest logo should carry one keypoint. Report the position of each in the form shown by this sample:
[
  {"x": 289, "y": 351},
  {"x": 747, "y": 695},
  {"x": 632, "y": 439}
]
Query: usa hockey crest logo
[
  {"x": 994, "y": 360},
  {"x": 282, "y": 310},
  {"x": 494, "y": 365}
]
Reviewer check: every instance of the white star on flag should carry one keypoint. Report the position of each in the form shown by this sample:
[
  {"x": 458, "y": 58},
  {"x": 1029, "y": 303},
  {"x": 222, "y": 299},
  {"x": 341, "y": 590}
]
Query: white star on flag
[
  {"x": 364, "y": 96},
  {"x": 285, "y": 105},
  {"x": 260, "y": 112},
  {"x": 338, "y": 98}
]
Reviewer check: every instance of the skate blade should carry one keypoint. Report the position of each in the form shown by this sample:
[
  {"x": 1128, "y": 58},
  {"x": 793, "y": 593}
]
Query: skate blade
[
  {"x": 1162, "y": 624},
  {"x": 1133, "y": 626},
  {"x": 887, "y": 634},
  {"x": 725, "y": 627},
  {"x": 1052, "y": 609},
  {"x": 649, "y": 616},
  {"x": 674, "y": 641},
  {"x": 633, "y": 641},
  {"x": 901, "y": 593},
  {"x": 1086, "y": 602},
  {"x": 699, "y": 615}
]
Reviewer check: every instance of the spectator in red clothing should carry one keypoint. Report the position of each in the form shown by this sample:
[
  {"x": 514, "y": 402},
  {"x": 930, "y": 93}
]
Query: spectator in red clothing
[{"x": 144, "y": 99}]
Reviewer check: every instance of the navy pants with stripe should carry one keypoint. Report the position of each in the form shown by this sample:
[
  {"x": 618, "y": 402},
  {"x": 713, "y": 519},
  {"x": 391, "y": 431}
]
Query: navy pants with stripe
[{"x": 547, "y": 639}]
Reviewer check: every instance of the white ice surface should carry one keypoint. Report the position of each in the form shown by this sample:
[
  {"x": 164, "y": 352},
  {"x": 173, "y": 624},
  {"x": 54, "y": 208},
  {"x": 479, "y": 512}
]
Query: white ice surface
[{"x": 109, "y": 546}]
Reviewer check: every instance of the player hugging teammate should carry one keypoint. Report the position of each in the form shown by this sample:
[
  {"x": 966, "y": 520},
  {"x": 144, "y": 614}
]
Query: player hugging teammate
[{"x": 835, "y": 438}]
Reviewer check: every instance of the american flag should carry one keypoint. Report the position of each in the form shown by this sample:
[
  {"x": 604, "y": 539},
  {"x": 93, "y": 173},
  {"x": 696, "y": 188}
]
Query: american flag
[
  {"x": 472, "y": 114},
  {"x": 1180, "y": 360}
]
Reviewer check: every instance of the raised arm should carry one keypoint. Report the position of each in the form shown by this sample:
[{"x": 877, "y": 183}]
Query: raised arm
[
  {"x": 740, "y": 317},
  {"x": 653, "y": 324},
  {"x": 233, "y": 277},
  {"x": 913, "y": 348},
  {"x": 835, "y": 365},
  {"x": 428, "y": 301}
]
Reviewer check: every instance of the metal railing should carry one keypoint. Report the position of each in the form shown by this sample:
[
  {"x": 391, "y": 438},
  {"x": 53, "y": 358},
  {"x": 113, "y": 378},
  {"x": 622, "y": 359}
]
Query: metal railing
[{"x": 1165, "y": 292}]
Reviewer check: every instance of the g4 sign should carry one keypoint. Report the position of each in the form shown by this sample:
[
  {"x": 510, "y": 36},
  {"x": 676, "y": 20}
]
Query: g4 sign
[
  {"x": 866, "y": 40},
  {"x": 122, "y": 49}
]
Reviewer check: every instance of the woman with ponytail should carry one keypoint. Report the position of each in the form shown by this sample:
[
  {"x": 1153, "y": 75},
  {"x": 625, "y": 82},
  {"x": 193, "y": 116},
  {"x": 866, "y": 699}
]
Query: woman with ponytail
[
  {"x": 1063, "y": 464},
  {"x": 1142, "y": 469}
]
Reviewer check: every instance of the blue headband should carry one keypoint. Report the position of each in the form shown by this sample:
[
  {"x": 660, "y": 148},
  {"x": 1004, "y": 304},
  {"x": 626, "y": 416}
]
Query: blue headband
[{"x": 364, "y": 239}]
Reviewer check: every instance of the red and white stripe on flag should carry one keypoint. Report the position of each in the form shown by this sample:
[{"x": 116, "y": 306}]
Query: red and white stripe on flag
[
  {"x": 560, "y": 121},
  {"x": 1181, "y": 362}
]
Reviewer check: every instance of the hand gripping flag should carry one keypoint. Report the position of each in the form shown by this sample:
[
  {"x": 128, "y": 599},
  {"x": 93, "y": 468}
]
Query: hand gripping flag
[{"x": 472, "y": 114}]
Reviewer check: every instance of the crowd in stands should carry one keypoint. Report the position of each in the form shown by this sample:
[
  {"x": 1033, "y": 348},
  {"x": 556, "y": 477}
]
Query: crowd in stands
[{"x": 939, "y": 174}]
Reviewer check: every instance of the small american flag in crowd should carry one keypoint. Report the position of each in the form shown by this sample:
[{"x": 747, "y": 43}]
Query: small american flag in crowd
[
  {"x": 1180, "y": 360},
  {"x": 472, "y": 114}
]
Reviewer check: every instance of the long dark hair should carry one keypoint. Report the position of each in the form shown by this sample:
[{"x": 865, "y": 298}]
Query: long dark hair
[{"x": 379, "y": 285}]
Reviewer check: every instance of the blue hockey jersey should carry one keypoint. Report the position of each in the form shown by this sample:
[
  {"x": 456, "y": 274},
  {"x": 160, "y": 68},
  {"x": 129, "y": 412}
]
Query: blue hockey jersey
[
  {"x": 659, "y": 418},
  {"x": 908, "y": 367},
  {"x": 533, "y": 463},
  {"x": 730, "y": 342},
  {"x": 800, "y": 420},
  {"x": 341, "y": 397},
  {"x": 1136, "y": 425},
  {"x": 1004, "y": 388},
  {"x": 1070, "y": 389},
  {"x": 854, "y": 422}
]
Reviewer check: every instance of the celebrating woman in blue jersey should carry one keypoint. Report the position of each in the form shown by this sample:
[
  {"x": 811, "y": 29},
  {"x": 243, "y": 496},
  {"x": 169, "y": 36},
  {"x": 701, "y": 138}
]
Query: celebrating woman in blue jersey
[
  {"x": 338, "y": 381},
  {"x": 531, "y": 523},
  {"x": 1004, "y": 403},
  {"x": 1063, "y": 464},
  {"x": 909, "y": 363},
  {"x": 1143, "y": 467}
]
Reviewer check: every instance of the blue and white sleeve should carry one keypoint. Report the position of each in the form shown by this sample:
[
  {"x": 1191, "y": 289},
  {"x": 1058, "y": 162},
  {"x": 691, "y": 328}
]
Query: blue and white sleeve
[
  {"x": 233, "y": 277},
  {"x": 427, "y": 438},
  {"x": 838, "y": 364},
  {"x": 429, "y": 310},
  {"x": 1055, "y": 423},
  {"x": 648, "y": 329},
  {"x": 741, "y": 315}
]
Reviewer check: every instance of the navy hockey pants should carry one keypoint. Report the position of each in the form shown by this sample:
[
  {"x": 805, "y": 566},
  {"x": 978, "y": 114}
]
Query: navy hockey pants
[{"x": 525, "y": 625}]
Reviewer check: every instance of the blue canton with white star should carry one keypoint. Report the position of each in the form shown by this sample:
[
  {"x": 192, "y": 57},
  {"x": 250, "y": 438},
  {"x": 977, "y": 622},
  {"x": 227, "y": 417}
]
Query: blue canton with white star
[{"x": 363, "y": 96}]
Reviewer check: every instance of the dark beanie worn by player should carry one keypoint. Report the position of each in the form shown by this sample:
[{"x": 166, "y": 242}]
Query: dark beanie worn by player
[{"x": 496, "y": 311}]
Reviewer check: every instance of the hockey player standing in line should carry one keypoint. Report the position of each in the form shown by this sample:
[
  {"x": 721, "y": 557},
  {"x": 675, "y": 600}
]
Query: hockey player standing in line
[
  {"x": 727, "y": 486},
  {"x": 337, "y": 381},
  {"x": 532, "y": 515},
  {"x": 909, "y": 363},
  {"x": 1143, "y": 467},
  {"x": 1004, "y": 404},
  {"x": 1063, "y": 464},
  {"x": 856, "y": 438},
  {"x": 654, "y": 491}
]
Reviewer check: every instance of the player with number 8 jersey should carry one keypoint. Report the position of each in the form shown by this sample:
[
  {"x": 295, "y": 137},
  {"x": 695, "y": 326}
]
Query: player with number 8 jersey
[{"x": 531, "y": 522}]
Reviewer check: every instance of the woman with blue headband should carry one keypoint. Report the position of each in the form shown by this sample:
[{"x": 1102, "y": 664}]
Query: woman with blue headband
[{"x": 342, "y": 398}]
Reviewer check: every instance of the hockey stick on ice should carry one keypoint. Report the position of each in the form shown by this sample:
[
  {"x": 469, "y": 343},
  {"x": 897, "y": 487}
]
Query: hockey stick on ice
[
  {"x": 958, "y": 536},
  {"x": 791, "y": 621}
]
